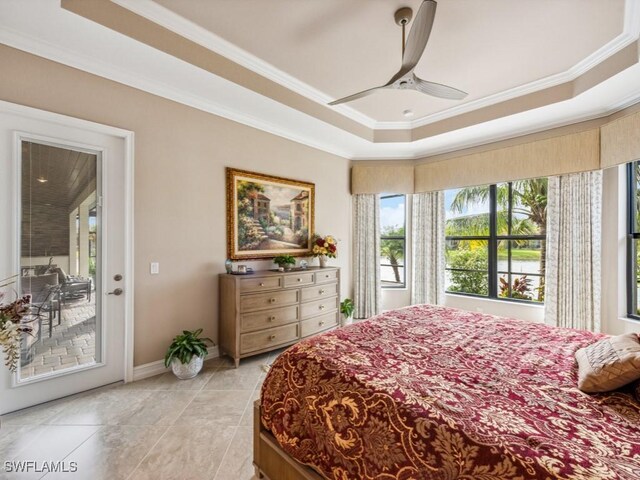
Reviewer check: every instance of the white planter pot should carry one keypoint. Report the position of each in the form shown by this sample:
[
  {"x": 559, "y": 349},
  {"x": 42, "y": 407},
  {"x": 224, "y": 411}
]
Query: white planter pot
[
  {"x": 323, "y": 261},
  {"x": 347, "y": 320},
  {"x": 185, "y": 371}
]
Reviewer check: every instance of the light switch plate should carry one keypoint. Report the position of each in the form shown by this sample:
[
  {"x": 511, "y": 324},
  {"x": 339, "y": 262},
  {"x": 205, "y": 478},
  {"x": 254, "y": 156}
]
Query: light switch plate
[{"x": 154, "y": 268}]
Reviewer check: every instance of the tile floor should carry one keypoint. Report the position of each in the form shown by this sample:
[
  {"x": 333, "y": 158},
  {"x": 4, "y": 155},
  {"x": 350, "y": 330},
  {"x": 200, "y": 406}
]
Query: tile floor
[{"x": 158, "y": 428}]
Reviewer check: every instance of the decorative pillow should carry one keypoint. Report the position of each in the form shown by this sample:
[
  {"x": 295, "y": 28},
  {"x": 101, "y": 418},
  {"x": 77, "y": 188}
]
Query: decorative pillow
[{"x": 609, "y": 363}]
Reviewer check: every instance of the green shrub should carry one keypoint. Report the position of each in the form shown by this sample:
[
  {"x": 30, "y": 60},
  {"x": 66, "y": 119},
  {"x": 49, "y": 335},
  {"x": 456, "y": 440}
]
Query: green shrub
[{"x": 474, "y": 281}]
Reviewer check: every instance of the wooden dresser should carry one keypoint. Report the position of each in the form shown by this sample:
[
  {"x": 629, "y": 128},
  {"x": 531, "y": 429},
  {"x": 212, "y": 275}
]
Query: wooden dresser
[{"x": 269, "y": 310}]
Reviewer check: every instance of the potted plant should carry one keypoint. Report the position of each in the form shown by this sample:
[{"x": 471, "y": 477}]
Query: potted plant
[
  {"x": 346, "y": 308},
  {"x": 284, "y": 261},
  {"x": 186, "y": 354},
  {"x": 12, "y": 325}
]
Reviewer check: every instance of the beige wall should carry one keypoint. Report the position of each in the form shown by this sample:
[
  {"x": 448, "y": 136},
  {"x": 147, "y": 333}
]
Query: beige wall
[
  {"x": 614, "y": 253},
  {"x": 180, "y": 156}
]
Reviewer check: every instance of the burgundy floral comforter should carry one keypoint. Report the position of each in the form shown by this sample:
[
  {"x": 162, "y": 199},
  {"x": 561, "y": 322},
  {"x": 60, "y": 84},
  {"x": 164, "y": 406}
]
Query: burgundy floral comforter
[{"x": 429, "y": 392}]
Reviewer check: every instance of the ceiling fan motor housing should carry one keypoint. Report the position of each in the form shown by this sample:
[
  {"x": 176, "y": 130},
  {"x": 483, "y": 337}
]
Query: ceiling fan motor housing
[{"x": 403, "y": 16}]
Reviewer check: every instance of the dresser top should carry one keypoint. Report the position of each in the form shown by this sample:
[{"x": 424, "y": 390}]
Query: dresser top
[{"x": 270, "y": 273}]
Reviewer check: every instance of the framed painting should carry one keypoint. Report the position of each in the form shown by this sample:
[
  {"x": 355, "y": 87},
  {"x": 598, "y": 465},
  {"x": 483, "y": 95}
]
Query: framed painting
[{"x": 268, "y": 216}]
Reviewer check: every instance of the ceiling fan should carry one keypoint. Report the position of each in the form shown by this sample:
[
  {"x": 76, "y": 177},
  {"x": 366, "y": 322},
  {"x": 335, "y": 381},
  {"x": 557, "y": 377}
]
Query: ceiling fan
[{"x": 405, "y": 79}]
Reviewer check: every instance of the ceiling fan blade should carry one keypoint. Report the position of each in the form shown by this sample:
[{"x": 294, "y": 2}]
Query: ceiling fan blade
[
  {"x": 419, "y": 34},
  {"x": 355, "y": 96},
  {"x": 437, "y": 89}
]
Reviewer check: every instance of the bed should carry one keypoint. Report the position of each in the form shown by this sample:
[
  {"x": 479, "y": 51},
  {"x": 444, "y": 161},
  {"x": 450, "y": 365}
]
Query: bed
[{"x": 429, "y": 392}]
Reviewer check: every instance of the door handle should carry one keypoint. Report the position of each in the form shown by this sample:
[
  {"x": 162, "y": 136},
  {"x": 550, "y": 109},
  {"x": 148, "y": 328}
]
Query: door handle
[{"x": 116, "y": 292}]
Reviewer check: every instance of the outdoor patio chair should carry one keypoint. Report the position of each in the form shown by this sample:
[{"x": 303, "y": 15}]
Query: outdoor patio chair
[
  {"x": 45, "y": 297},
  {"x": 72, "y": 287}
]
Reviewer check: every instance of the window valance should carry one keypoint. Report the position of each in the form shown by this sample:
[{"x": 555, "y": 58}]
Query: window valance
[
  {"x": 621, "y": 141},
  {"x": 599, "y": 144},
  {"x": 575, "y": 152},
  {"x": 382, "y": 178}
]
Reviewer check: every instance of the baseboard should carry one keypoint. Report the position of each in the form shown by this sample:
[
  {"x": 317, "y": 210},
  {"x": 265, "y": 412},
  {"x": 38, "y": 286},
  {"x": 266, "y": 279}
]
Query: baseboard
[{"x": 156, "y": 368}]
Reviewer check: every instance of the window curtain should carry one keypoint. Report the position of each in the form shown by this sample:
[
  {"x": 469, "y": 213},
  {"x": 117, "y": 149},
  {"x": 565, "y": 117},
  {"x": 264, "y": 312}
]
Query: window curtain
[
  {"x": 366, "y": 255},
  {"x": 428, "y": 248},
  {"x": 572, "y": 292}
]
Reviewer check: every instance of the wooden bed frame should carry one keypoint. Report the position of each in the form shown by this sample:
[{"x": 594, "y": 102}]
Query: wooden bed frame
[{"x": 270, "y": 461}]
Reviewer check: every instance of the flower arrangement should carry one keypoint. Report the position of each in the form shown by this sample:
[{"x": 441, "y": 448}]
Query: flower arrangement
[
  {"x": 12, "y": 327},
  {"x": 324, "y": 246}
]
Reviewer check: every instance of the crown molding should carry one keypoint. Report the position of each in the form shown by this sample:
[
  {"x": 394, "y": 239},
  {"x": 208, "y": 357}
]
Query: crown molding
[
  {"x": 570, "y": 75},
  {"x": 194, "y": 32},
  {"x": 181, "y": 26},
  {"x": 92, "y": 65},
  {"x": 629, "y": 35},
  {"x": 249, "y": 108},
  {"x": 515, "y": 133},
  {"x": 155, "y": 87}
]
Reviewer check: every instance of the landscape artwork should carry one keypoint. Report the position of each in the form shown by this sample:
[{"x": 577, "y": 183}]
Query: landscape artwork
[{"x": 268, "y": 216}]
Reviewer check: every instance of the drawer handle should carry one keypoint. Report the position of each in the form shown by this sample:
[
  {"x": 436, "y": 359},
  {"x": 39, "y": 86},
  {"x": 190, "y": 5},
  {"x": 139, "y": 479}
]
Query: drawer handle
[
  {"x": 326, "y": 276},
  {"x": 272, "y": 318},
  {"x": 321, "y": 307},
  {"x": 272, "y": 337},
  {"x": 322, "y": 291},
  {"x": 321, "y": 323},
  {"x": 299, "y": 279},
  {"x": 272, "y": 300},
  {"x": 262, "y": 284}
]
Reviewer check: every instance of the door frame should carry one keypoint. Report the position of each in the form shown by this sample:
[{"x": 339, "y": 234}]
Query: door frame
[{"x": 128, "y": 275}]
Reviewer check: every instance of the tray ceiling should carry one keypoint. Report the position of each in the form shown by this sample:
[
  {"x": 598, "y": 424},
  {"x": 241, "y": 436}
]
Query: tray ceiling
[
  {"x": 528, "y": 65},
  {"x": 342, "y": 47}
]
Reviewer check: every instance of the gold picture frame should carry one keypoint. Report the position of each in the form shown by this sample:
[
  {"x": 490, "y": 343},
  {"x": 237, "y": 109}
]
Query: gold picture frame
[{"x": 268, "y": 216}]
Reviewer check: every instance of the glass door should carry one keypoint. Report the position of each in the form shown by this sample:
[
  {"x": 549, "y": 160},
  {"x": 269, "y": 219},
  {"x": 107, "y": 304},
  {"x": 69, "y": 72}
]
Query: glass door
[
  {"x": 60, "y": 259},
  {"x": 63, "y": 202}
]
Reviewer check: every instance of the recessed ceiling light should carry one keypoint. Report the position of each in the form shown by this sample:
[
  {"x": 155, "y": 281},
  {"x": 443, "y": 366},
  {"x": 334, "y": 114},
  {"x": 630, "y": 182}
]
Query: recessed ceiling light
[
  {"x": 42, "y": 180},
  {"x": 408, "y": 113}
]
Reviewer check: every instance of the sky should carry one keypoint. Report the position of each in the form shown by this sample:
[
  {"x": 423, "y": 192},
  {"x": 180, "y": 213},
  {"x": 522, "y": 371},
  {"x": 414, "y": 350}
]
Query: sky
[
  {"x": 392, "y": 211},
  {"x": 280, "y": 195}
]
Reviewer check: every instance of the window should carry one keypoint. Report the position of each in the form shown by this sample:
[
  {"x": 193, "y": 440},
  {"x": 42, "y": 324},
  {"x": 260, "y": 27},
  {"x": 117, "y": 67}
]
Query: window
[
  {"x": 496, "y": 240},
  {"x": 633, "y": 237},
  {"x": 392, "y": 241}
]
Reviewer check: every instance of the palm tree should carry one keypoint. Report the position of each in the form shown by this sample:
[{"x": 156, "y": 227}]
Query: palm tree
[
  {"x": 393, "y": 249},
  {"x": 478, "y": 225},
  {"x": 528, "y": 207}
]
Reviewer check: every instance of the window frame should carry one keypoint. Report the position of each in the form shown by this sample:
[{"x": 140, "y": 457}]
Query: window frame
[
  {"x": 493, "y": 240},
  {"x": 632, "y": 235},
  {"x": 403, "y": 284}
]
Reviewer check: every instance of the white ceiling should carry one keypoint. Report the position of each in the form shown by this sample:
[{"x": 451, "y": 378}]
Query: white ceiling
[{"x": 43, "y": 28}]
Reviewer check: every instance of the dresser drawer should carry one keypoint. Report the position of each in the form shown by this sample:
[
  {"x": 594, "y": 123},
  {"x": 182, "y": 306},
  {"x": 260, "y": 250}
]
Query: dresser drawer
[
  {"x": 258, "y": 284},
  {"x": 300, "y": 279},
  {"x": 321, "y": 291},
  {"x": 318, "y": 324},
  {"x": 268, "y": 318},
  {"x": 249, "y": 303},
  {"x": 318, "y": 307},
  {"x": 324, "y": 276},
  {"x": 250, "y": 342}
]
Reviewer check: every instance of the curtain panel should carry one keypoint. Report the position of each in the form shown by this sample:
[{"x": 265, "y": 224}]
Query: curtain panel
[
  {"x": 428, "y": 244},
  {"x": 574, "y": 223},
  {"x": 366, "y": 255}
]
